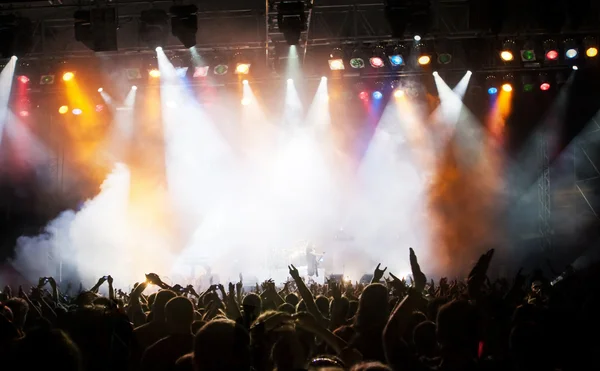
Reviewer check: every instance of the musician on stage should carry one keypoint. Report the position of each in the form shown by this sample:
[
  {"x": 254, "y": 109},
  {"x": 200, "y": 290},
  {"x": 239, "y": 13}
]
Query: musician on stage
[{"x": 312, "y": 261}]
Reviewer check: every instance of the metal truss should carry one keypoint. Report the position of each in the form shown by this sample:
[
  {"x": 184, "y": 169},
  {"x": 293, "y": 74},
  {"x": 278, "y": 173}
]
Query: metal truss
[
  {"x": 544, "y": 197},
  {"x": 582, "y": 153}
]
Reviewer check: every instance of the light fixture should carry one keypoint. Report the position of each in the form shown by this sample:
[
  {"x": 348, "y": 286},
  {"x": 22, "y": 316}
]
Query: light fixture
[
  {"x": 46, "y": 79},
  {"x": 491, "y": 84},
  {"x": 507, "y": 83},
  {"x": 200, "y": 71},
  {"x": 591, "y": 47},
  {"x": 68, "y": 76},
  {"x": 528, "y": 52},
  {"x": 133, "y": 73},
  {"x": 398, "y": 93},
  {"x": 336, "y": 61},
  {"x": 24, "y": 113},
  {"x": 244, "y": 82},
  {"x": 100, "y": 90},
  {"x": 423, "y": 57},
  {"x": 417, "y": 38},
  {"x": 242, "y": 68},
  {"x": 154, "y": 73},
  {"x": 550, "y": 50},
  {"x": 397, "y": 57},
  {"x": 63, "y": 109},
  {"x": 133, "y": 87},
  {"x": 527, "y": 82},
  {"x": 571, "y": 49},
  {"x": 184, "y": 23},
  {"x": 77, "y": 111},
  {"x": 291, "y": 20},
  {"x": 444, "y": 58},
  {"x": 99, "y": 107},
  {"x": 23, "y": 79},
  {"x": 377, "y": 59},
  {"x": 357, "y": 61},
  {"x": 507, "y": 52},
  {"x": 544, "y": 82}
]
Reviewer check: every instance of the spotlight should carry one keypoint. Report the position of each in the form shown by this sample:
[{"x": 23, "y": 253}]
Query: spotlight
[
  {"x": 550, "y": 50},
  {"x": 491, "y": 84},
  {"x": 24, "y": 113},
  {"x": 100, "y": 90},
  {"x": 154, "y": 73},
  {"x": 398, "y": 93},
  {"x": 63, "y": 109},
  {"x": 23, "y": 79},
  {"x": 242, "y": 68},
  {"x": 397, "y": 57},
  {"x": 528, "y": 55},
  {"x": 47, "y": 80},
  {"x": 171, "y": 104},
  {"x": 291, "y": 20},
  {"x": 221, "y": 69},
  {"x": 336, "y": 61},
  {"x": 245, "y": 101},
  {"x": 184, "y": 24},
  {"x": 444, "y": 58},
  {"x": 435, "y": 73},
  {"x": 376, "y": 60},
  {"x": 544, "y": 82},
  {"x": 424, "y": 60},
  {"x": 507, "y": 83},
  {"x": 356, "y": 61},
  {"x": 575, "y": 68},
  {"x": 68, "y": 76},
  {"x": 417, "y": 38},
  {"x": 77, "y": 111},
  {"x": 245, "y": 82},
  {"x": 290, "y": 81},
  {"x": 323, "y": 78},
  {"x": 14, "y": 57},
  {"x": 153, "y": 27},
  {"x": 377, "y": 95},
  {"x": 571, "y": 50},
  {"x": 200, "y": 71},
  {"x": 591, "y": 47},
  {"x": 507, "y": 52},
  {"x": 591, "y": 52},
  {"x": 134, "y": 87},
  {"x": 363, "y": 95},
  {"x": 158, "y": 49}
]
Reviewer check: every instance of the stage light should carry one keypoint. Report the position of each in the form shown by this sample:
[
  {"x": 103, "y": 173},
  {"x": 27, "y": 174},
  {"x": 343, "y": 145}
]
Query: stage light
[
  {"x": 291, "y": 20},
  {"x": 424, "y": 60},
  {"x": 47, "y": 80},
  {"x": 23, "y": 79},
  {"x": 323, "y": 78},
  {"x": 171, "y": 104},
  {"x": 377, "y": 59},
  {"x": 507, "y": 52},
  {"x": 575, "y": 68},
  {"x": 544, "y": 82},
  {"x": 398, "y": 93},
  {"x": 63, "y": 109},
  {"x": 133, "y": 87},
  {"x": 491, "y": 84},
  {"x": 376, "y": 62},
  {"x": 242, "y": 68},
  {"x": 528, "y": 55},
  {"x": 68, "y": 76},
  {"x": 154, "y": 73},
  {"x": 571, "y": 53},
  {"x": 528, "y": 88},
  {"x": 221, "y": 69},
  {"x": 527, "y": 82},
  {"x": 245, "y": 82},
  {"x": 357, "y": 63},
  {"x": 396, "y": 60},
  {"x": 336, "y": 64},
  {"x": 245, "y": 101},
  {"x": 506, "y": 56},
  {"x": 435, "y": 73},
  {"x": 417, "y": 38},
  {"x": 571, "y": 49},
  {"x": 14, "y": 57},
  {"x": 508, "y": 82},
  {"x": 184, "y": 23},
  {"x": 336, "y": 61},
  {"x": 377, "y": 95},
  {"x": 444, "y": 58},
  {"x": 153, "y": 27},
  {"x": 290, "y": 81},
  {"x": 550, "y": 50},
  {"x": 77, "y": 111},
  {"x": 363, "y": 95},
  {"x": 99, "y": 107},
  {"x": 200, "y": 71},
  {"x": 100, "y": 90},
  {"x": 591, "y": 46},
  {"x": 24, "y": 113},
  {"x": 158, "y": 49},
  {"x": 507, "y": 87},
  {"x": 591, "y": 52}
]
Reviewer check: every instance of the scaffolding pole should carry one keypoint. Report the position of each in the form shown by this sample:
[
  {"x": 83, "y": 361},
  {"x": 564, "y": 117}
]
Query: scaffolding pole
[{"x": 544, "y": 198}]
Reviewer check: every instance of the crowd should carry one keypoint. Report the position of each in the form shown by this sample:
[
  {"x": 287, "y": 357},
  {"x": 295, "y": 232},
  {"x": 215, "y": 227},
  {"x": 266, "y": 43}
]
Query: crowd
[{"x": 390, "y": 324}]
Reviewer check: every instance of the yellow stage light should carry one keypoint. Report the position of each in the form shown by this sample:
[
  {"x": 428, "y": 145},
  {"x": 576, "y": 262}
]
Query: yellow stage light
[
  {"x": 154, "y": 73},
  {"x": 398, "y": 93},
  {"x": 424, "y": 60},
  {"x": 507, "y": 87},
  {"x": 63, "y": 109},
  {"x": 242, "y": 68},
  {"x": 507, "y": 55},
  {"x": 591, "y": 52},
  {"x": 68, "y": 76}
]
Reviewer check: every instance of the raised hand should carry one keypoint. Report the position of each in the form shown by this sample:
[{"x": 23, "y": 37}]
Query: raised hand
[
  {"x": 478, "y": 274},
  {"x": 294, "y": 272},
  {"x": 110, "y": 280},
  {"x": 418, "y": 276},
  {"x": 378, "y": 273}
]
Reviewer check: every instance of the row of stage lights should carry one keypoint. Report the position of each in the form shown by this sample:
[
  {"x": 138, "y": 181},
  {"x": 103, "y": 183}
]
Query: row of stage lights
[{"x": 398, "y": 57}]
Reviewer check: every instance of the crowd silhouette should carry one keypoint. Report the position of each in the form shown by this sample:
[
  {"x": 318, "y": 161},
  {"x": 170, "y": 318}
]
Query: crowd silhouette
[{"x": 525, "y": 323}]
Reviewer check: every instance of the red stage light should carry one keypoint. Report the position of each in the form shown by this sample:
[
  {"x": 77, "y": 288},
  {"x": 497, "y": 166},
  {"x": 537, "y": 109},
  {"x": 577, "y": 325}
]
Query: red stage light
[
  {"x": 24, "y": 113},
  {"x": 545, "y": 86},
  {"x": 363, "y": 95},
  {"x": 23, "y": 79},
  {"x": 552, "y": 55},
  {"x": 376, "y": 62}
]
